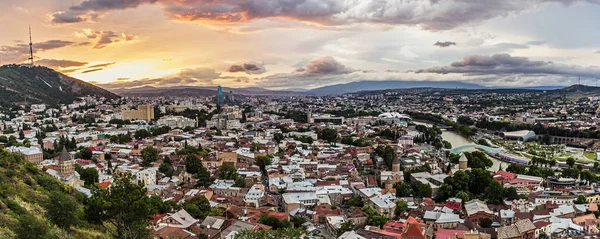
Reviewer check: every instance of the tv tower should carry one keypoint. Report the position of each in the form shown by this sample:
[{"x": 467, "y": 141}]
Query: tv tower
[{"x": 30, "y": 47}]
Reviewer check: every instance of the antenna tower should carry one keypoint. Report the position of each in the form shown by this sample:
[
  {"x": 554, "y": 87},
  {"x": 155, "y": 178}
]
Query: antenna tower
[{"x": 30, "y": 47}]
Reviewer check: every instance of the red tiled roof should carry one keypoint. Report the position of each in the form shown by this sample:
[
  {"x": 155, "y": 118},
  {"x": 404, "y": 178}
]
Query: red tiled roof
[
  {"x": 104, "y": 184},
  {"x": 413, "y": 230},
  {"x": 446, "y": 233}
]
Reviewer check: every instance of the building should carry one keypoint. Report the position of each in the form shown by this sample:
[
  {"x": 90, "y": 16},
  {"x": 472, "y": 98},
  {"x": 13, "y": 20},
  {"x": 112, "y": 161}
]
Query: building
[
  {"x": 521, "y": 135},
  {"x": 143, "y": 112},
  {"x": 66, "y": 164},
  {"x": 255, "y": 193},
  {"x": 477, "y": 210},
  {"x": 558, "y": 182},
  {"x": 220, "y": 96},
  {"x": 175, "y": 122},
  {"x": 31, "y": 154}
]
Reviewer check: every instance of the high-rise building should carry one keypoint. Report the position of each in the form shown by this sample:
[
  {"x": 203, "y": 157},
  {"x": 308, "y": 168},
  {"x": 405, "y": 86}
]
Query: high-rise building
[
  {"x": 220, "y": 96},
  {"x": 143, "y": 112}
]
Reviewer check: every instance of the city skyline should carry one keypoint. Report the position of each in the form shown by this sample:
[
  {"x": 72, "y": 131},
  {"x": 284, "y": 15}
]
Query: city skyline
[{"x": 306, "y": 44}]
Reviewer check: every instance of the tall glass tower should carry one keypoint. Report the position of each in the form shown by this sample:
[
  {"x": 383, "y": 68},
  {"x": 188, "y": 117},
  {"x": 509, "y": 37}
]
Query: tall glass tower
[{"x": 220, "y": 96}]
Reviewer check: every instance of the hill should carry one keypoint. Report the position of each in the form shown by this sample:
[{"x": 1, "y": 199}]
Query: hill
[
  {"x": 576, "y": 91},
  {"x": 34, "y": 204},
  {"x": 43, "y": 85},
  {"x": 194, "y": 91},
  {"x": 384, "y": 85}
]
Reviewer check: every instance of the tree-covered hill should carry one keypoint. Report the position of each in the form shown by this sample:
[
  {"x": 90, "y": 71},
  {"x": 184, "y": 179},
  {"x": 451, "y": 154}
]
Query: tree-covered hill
[
  {"x": 34, "y": 204},
  {"x": 43, "y": 85}
]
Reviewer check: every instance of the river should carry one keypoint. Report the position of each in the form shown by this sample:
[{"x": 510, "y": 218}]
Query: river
[{"x": 458, "y": 140}]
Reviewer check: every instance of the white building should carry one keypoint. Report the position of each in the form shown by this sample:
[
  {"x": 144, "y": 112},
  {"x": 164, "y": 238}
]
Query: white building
[
  {"x": 175, "y": 121},
  {"x": 256, "y": 192},
  {"x": 146, "y": 176}
]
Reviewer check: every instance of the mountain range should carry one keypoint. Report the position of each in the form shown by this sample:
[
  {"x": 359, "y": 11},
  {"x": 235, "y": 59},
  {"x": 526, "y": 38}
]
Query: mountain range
[{"x": 37, "y": 84}]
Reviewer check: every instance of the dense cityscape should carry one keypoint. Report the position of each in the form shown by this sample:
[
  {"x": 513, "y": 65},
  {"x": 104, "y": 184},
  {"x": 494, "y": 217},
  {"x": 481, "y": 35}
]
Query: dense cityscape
[
  {"x": 299, "y": 119},
  {"x": 376, "y": 164}
]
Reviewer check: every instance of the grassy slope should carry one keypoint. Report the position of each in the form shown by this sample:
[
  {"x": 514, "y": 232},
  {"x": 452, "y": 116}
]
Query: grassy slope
[{"x": 24, "y": 197}]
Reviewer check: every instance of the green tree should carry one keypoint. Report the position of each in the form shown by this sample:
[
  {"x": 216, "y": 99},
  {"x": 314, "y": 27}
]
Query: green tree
[
  {"x": 62, "y": 209},
  {"x": 297, "y": 221},
  {"x": 30, "y": 227},
  {"x": 493, "y": 193},
  {"x": 262, "y": 162},
  {"x": 89, "y": 176},
  {"x": 149, "y": 156},
  {"x": 328, "y": 134},
  {"x": 142, "y": 134},
  {"x": 581, "y": 200},
  {"x": 228, "y": 171},
  {"x": 344, "y": 227},
  {"x": 166, "y": 169},
  {"x": 198, "y": 207},
  {"x": 21, "y": 135},
  {"x": 124, "y": 205},
  {"x": 356, "y": 201},
  {"x": 203, "y": 177},
  {"x": 192, "y": 164},
  {"x": 403, "y": 190},
  {"x": 401, "y": 207},
  {"x": 86, "y": 153},
  {"x": 571, "y": 162}
]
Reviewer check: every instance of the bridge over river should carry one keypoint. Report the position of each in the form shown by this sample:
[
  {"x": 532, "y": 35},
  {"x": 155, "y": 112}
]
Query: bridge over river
[{"x": 469, "y": 147}]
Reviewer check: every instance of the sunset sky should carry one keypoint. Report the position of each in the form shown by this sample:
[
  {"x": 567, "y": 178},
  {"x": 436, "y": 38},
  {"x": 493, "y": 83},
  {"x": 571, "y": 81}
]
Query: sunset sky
[{"x": 281, "y": 44}]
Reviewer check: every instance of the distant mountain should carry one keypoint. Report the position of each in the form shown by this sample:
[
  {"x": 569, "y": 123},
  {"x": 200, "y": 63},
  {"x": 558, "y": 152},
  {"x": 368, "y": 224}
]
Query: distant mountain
[
  {"x": 193, "y": 91},
  {"x": 43, "y": 85},
  {"x": 384, "y": 85}
]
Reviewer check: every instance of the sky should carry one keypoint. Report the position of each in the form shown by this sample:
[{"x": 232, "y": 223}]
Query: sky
[{"x": 305, "y": 44}]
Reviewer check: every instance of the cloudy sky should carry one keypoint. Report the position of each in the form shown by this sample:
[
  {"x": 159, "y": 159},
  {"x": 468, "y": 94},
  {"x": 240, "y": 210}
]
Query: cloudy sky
[{"x": 281, "y": 44}]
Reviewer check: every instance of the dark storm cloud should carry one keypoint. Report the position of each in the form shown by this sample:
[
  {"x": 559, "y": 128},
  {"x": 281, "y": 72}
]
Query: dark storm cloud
[
  {"x": 249, "y": 68},
  {"x": 505, "y": 64},
  {"x": 432, "y": 15},
  {"x": 444, "y": 44},
  {"x": 53, "y": 63}
]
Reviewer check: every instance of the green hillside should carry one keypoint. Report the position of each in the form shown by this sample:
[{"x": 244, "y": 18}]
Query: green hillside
[
  {"x": 43, "y": 85},
  {"x": 33, "y": 204}
]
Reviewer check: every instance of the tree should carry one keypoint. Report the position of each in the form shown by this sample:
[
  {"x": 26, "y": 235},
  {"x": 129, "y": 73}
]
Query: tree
[
  {"x": 493, "y": 193},
  {"x": 198, "y": 207},
  {"x": 421, "y": 189},
  {"x": 142, "y": 134},
  {"x": 571, "y": 162},
  {"x": 89, "y": 176},
  {"x": 570, "y": 173},
  {"x": 228, "y": 171},
  {"x": 62, "y": 209},
  {"x": 203, "y": 177},
  {"x": 166, "y": 169},
  {"x": 444, "y": 192},
  {"x": 485, "y": 222},
  {"x": 403, "y": 190},
  {"x": 30, "y": 227},
  {"x": 262, "y": 162},
  {"x": 192, "y": 164},
  {"x": 516, "y": 168},
  {"x": 328, "y": 134},
  {"x": 480, "y": 179},
  {"x": 124, "y": 205},
  {"x": 510, "y": 193},
  {"x": 21, "y": 135},
  {"x": 344, "y": 227},
  {"x": 356, "y": 201},
  {"x": 581, "y": 200},
  {"x": 297, "y": 221},
  {"x": 149, "y": 156},
  {"x": 401, "y": 206},
  {"x": 278, "y": 137},
  {"x": 86, "y": 153},
  {"x": 460, "y": 181},
  {"x": 374, "y": 218}
]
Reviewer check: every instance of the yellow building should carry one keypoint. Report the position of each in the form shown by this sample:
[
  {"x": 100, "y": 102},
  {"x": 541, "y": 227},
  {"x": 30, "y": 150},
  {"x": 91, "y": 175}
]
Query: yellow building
[{"x": 143, "y": 112}]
